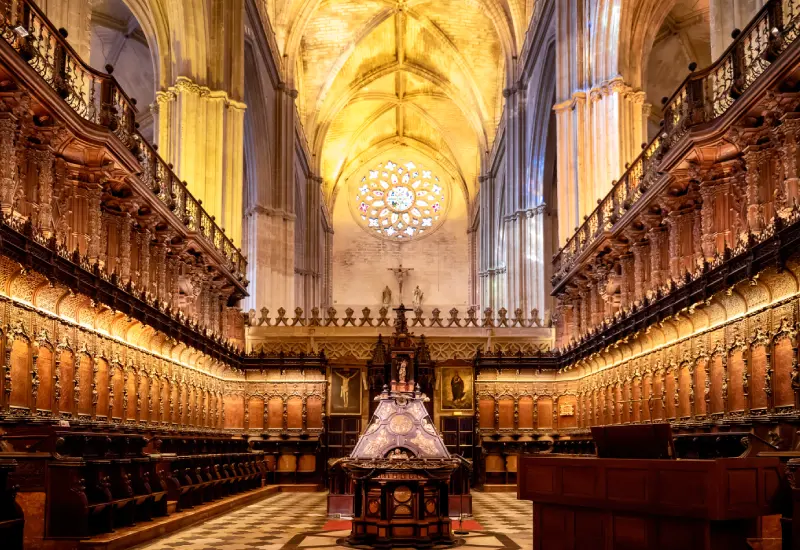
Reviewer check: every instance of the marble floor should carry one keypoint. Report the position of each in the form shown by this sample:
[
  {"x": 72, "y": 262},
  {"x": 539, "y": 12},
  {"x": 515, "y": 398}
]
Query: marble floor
[{"x": 295, "y": 521}]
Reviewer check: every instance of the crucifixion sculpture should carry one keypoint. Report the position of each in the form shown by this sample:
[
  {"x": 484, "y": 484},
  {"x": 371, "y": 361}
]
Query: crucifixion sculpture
[{"x": 400, "y": 273}]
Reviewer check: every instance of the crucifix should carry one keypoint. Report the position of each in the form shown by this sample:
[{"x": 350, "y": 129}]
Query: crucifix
[{"x": 400, "y": 273}]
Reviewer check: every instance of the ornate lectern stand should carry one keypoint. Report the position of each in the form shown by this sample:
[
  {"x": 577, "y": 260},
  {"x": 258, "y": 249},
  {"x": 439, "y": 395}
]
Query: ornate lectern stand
[{"x": 401, "y": 469}]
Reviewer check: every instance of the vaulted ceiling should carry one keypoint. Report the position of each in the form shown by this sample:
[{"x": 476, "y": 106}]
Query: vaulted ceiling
[{"x": 372, "y": 75}]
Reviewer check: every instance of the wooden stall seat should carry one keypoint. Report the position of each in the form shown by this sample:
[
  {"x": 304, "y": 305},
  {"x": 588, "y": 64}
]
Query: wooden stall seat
[{"x": 106, "y": 479}]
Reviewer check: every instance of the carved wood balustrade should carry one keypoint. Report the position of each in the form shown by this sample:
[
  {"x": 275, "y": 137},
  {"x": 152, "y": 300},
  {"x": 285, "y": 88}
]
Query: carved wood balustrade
[
  {"x": 87, "y": 201},
  {"x": 720, "y": 173}
]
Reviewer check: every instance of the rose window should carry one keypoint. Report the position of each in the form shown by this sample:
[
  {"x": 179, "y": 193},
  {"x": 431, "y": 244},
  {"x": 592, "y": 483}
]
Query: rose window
[{"x": 400, "y": 201}]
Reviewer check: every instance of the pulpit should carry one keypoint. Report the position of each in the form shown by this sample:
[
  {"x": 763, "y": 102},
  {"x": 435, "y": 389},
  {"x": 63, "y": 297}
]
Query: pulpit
[{"x": 401, "y": 470}]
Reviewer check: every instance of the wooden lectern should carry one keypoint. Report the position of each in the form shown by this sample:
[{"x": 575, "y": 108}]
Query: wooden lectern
[{"x": 588, "y": 503}]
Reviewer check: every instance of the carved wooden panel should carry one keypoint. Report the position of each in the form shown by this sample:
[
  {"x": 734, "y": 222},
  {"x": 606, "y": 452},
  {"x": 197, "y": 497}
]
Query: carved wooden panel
[
  {"x": 544, "y": 407},
  {"x": 234, "y": 411},
  {"x": 486, "y": 410},
  {"x": 735, "y": 389},
  {"x": 314, "y": 412},
  {"x": 758, "y": 369},
  {"x": 526, "y": 412},
  {"x": 684, "y": 389},
  {"x": 256, "y": 413},
  {"x": 294, "y": 407},
  {"x": 275, "y": 413},
  {"x": 67, "y": 380},
  {"x": 101, "y": 386},
  {"x": 782, "y": 377},
  {"x": 44, "y": 367},
  {"x": 85, "y": 374},
  {"x": 567, "y": 412},
  {"x": 506, "y": 408},
  {"x": 20, "y": 373},
  {"x": 717, "y": 376}
]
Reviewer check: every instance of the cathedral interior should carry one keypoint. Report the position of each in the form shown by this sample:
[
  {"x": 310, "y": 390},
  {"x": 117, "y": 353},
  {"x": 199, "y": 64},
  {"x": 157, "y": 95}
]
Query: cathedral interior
[{"x": 513, "y": 274}]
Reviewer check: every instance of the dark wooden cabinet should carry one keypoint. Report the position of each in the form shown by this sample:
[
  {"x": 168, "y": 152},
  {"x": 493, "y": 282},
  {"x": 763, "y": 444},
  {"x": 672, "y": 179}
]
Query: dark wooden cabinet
[
  {"x": 458, "y": 433},
  {"x": 343, "y": 432},
  {"x": 342, "y": 435}
]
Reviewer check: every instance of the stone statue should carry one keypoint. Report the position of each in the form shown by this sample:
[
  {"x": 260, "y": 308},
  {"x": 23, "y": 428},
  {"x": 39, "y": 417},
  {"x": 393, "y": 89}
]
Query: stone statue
[
  {"x": 417, "y": 297},
  {"x": 386, "y": 297}
]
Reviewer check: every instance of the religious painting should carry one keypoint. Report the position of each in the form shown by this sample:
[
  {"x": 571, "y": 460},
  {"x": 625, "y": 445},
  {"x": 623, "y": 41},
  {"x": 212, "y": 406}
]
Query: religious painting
[
  {"x": 456, "y": 389},
  {"x": 345, "y": 388}
]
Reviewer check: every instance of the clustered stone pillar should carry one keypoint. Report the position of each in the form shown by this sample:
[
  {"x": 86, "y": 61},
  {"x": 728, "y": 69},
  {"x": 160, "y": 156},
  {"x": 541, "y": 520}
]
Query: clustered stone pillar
[{"x": 201, "y": 132}]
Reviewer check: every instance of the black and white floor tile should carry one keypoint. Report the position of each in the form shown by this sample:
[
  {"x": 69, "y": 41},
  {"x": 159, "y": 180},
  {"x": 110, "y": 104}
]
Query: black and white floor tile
[{"x": 295, "y": 521}]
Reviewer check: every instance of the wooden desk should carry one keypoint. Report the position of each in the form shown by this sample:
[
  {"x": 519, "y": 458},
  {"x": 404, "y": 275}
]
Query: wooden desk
[{"x": 586, "y": 503}]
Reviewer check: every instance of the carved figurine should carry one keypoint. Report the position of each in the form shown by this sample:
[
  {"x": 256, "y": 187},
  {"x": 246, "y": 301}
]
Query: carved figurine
[
  {"x": 417, "y": 300},
  {"x": 386, "y": 297},
  {"x": 796, "y": 380},
  {"x": 401, "y": 371}
]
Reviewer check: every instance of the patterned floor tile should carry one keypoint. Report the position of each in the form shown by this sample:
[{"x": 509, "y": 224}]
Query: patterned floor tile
[{"x": 294, "y": 521}]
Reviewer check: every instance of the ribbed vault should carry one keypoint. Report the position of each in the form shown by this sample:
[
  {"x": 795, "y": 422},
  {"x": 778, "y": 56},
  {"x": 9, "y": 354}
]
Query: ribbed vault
[{"x": 426, "y": 74}]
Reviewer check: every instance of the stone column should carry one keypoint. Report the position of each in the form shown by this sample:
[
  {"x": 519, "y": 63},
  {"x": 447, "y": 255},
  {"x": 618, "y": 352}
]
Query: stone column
[{"x": 201, "y": 131}]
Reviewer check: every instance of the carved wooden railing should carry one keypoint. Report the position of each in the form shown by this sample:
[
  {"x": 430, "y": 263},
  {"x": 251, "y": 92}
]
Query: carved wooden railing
[
  {"x": 99, "y": 99},
  {"x": 703, "y": 97}
]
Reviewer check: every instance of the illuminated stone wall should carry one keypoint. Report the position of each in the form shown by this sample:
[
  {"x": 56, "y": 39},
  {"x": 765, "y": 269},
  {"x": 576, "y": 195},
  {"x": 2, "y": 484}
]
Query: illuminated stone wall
[{"x": 440, "y": 261}]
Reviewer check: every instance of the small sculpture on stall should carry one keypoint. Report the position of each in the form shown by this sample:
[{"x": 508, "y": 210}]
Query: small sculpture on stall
[{"x": 418, "y": 295}]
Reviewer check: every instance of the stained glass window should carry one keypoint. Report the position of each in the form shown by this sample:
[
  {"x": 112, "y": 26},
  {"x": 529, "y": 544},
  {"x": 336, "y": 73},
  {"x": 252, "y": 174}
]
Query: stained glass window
[{"x": 400, "y": 200}]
